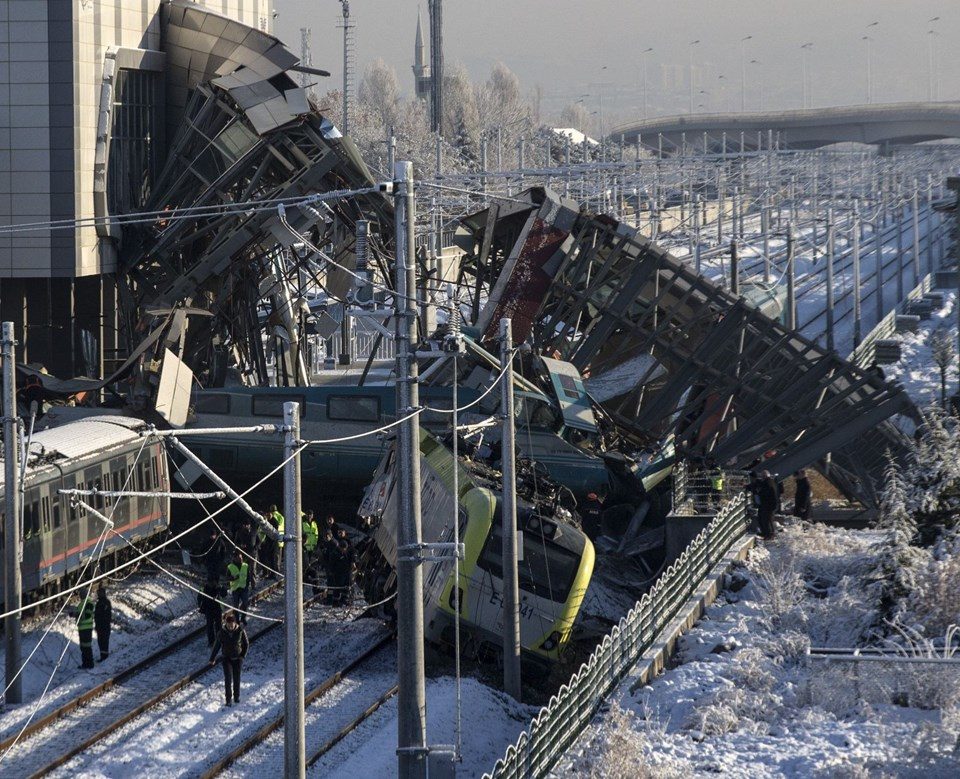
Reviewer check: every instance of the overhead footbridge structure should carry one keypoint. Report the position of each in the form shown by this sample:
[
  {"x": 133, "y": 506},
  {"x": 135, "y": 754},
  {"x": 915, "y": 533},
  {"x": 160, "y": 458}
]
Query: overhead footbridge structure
[{"x": 810, "y": 128}]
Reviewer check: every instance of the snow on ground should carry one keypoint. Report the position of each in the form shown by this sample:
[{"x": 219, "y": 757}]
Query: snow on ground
[
  {"x": 149, "y": 611},
  {"x": 491, "y": 721},
  {"x": 743, "y": 702},
  {"x": 916, "y": 370},
  {"x": 186, "y": 732}
]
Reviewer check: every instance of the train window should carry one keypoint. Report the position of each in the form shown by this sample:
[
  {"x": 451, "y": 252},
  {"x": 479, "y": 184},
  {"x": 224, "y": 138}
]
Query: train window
[
  {"x": 56, "y": 511},
  {"x": 569, "y": 385},
  {"x": 154, "y": 474},
  {"x": 547, "y": 569},
  {"x": 272, "y": 405},
  {"x": 354, "y": 408},
  {"x": 212, "y": 403},
  {"x": 45, "y": 513},
  {"x": 147, "y": 483}
]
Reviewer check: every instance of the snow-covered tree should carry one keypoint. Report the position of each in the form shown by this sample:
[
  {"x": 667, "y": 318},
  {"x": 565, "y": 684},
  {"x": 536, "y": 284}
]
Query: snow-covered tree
[
  {"x": 380, "y": 91},
  {"x": 898, "y": 559},
  {"x": 576, "y": 116},
  {"x": 933, "y": 476},
  {"x": 944, "y": 354}
]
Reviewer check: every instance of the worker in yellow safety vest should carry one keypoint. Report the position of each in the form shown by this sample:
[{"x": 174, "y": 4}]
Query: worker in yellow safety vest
[
  {"x": 239, "y": 573},
  {"x": 85, "y": 616},
  {"x": 311, "y": 536}
]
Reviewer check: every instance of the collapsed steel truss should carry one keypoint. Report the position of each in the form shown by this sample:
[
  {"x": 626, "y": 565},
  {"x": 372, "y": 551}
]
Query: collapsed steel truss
[
  {"x": 217, "y": 260},
  {"x": 724, "y": 379}
]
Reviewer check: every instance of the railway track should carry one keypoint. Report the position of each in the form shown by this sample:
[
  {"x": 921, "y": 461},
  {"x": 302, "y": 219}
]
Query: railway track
[
  {"x": 85, "y": 697},
  {"x": 105, "y": 708},
  {"x": 162, "y": 735},
  {"x": 323, "y": 732}
]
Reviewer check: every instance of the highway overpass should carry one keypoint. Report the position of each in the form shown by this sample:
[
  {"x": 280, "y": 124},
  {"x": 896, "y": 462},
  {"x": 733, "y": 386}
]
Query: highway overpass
[{"x": 811, "y": 128}]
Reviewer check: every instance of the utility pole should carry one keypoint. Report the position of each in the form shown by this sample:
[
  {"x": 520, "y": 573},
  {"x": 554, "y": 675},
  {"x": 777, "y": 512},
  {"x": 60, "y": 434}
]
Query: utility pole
[
  {"x": 294, "y": 757},
  {"x": 856, "y": 276},
  {"x": 791, "y": 280},
  {"x": 511, "y": 582},
  {"x": 436, "y": 65},
  {"x": 11, "y": 529},
  {"x": 411, "y": 696},
  {"x": 915, "y": 215},
  {"x": 878, "y": 251},
  {"x": 734, "y": 268},
  {"x": 348, "y": 59},
  {"x": 696, "y": 231},
  {"x": 829, "y": 308}
]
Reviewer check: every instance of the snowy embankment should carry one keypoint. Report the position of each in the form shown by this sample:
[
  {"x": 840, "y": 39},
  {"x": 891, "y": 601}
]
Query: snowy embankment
[
  {"x": 917, "y": 370},
  {"x": 744, "y": 700}
]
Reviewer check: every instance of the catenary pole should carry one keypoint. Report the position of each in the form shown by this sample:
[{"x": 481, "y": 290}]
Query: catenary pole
[
  {"x": 857, "y": 328},
  {"x": 791, "y": 280},
  {"x": 511, "y": 584},
  {"x": 411, "y": 696},
  {"x": 829, "y": 308},
  {"x": 11, "y": 529},
  {"x": 294, "y": 752}
]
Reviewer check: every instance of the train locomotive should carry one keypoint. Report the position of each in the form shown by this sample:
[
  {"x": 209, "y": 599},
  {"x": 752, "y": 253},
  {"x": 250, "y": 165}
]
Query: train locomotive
[
  {"x": 103, "y": 452},
  {"x": 555, "y": 570}
]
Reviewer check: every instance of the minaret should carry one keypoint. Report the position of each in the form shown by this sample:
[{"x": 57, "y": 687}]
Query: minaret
[{"x": 421, "y": 70}]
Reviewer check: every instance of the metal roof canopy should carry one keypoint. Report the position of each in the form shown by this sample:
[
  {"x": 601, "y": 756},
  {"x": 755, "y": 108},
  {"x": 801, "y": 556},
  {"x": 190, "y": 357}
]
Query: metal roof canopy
[{"x": 737, "y": 383}]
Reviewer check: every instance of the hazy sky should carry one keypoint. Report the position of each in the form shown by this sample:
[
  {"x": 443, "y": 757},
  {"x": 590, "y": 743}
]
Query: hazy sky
[{"x": 562, "y": 46}]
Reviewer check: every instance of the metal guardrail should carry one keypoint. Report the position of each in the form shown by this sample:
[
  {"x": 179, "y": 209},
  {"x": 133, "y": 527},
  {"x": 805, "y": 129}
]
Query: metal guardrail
[
  {"x": 864, "y": 355},
  {"x": 560, "y": 722}
]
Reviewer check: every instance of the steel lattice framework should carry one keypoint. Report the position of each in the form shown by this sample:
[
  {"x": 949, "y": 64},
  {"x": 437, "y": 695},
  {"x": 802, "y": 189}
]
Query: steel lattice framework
[
  {"x": 217, "y": 260},
  {"x": 725, "y": 380}
]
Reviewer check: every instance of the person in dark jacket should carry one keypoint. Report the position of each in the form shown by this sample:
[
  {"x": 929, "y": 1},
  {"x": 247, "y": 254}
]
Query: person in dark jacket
[
  {"x": 209, "y": 605},
  {"x": 801, "y": 500},
  {"x": 102, "y": 617},
  {"x": 768, "y": 495},
  {"x": 233, "y": 644},
  {"x": 215, "y": 555},
  {"x": 343, "y": 573},
  {"x": 591, "y": 514}
]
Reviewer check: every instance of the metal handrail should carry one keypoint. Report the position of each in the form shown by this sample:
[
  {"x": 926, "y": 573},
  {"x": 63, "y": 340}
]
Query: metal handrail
[{"x": 573, "y": 706}]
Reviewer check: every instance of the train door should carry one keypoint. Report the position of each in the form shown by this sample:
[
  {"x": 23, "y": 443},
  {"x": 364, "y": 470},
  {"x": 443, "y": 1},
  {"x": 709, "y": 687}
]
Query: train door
[
  {"x": 32, "y": 538},
  {"x": 56, "y": 544}
]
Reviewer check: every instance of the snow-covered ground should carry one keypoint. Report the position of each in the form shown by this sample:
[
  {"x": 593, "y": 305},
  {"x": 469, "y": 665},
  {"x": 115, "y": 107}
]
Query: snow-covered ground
[
  {"x": 491, "y": 721},
  {"x": 916, "y": 370},
  {"x": 149, "y": 611},
  {"x": 744, "y": 701}
]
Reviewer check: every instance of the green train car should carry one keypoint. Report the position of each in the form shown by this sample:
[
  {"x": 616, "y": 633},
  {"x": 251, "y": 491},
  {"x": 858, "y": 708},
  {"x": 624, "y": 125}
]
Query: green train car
[{"x": 554, "y": 572}]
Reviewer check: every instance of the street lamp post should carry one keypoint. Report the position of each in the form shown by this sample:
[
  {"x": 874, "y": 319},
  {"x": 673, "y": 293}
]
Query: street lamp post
[
  {"x": 692, "y": 44},
  {"x": 759, "y": 84},
  {"x": 868, "y": 41},
  {"x": 643, "y": 66},
  {"x": 804, "y": 54},
  {"x": 932, "y": 81},
  {"x": 743, "y": 73}
]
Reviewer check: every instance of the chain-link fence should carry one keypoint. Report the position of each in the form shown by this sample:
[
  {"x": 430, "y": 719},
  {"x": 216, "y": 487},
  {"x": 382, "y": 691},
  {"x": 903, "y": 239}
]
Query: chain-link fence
[
  {"x": 703, "y": 489},
  {"x": 562, "y": 720}
]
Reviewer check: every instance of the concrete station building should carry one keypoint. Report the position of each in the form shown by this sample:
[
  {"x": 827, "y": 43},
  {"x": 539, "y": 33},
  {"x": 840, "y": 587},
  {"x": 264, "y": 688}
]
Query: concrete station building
[{"x": 89, "y": 90}]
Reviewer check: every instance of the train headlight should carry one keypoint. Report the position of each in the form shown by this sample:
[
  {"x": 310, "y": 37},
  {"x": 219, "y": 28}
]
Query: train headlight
[
  {"x": 552, "y": 642},
  {"x": 534, "y": 523}
]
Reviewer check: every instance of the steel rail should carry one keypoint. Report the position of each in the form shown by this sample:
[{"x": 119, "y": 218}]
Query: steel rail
[
  {"x": 314, "y": 694},
  {"x": 88, "y": 695},
  {"x": 152, "y": 701}
]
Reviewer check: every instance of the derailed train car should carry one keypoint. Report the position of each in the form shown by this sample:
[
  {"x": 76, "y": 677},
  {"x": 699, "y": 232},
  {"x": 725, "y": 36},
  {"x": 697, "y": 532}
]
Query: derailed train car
[
  {"x": 59, "y": 539},
  {"x": 555, "y": 569}
]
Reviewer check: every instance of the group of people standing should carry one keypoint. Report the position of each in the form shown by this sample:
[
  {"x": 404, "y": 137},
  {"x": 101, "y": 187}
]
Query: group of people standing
[
  {"x": 94, "y": 616},
  {"x": 257, "y": 554},
  {"x": 767, "y": 492}
]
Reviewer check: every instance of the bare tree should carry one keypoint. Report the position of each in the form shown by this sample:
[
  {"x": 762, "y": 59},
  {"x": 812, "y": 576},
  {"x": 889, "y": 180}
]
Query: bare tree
[
  {"x": 575, "y": 116},
  {"x": 943, "y": 352}
]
